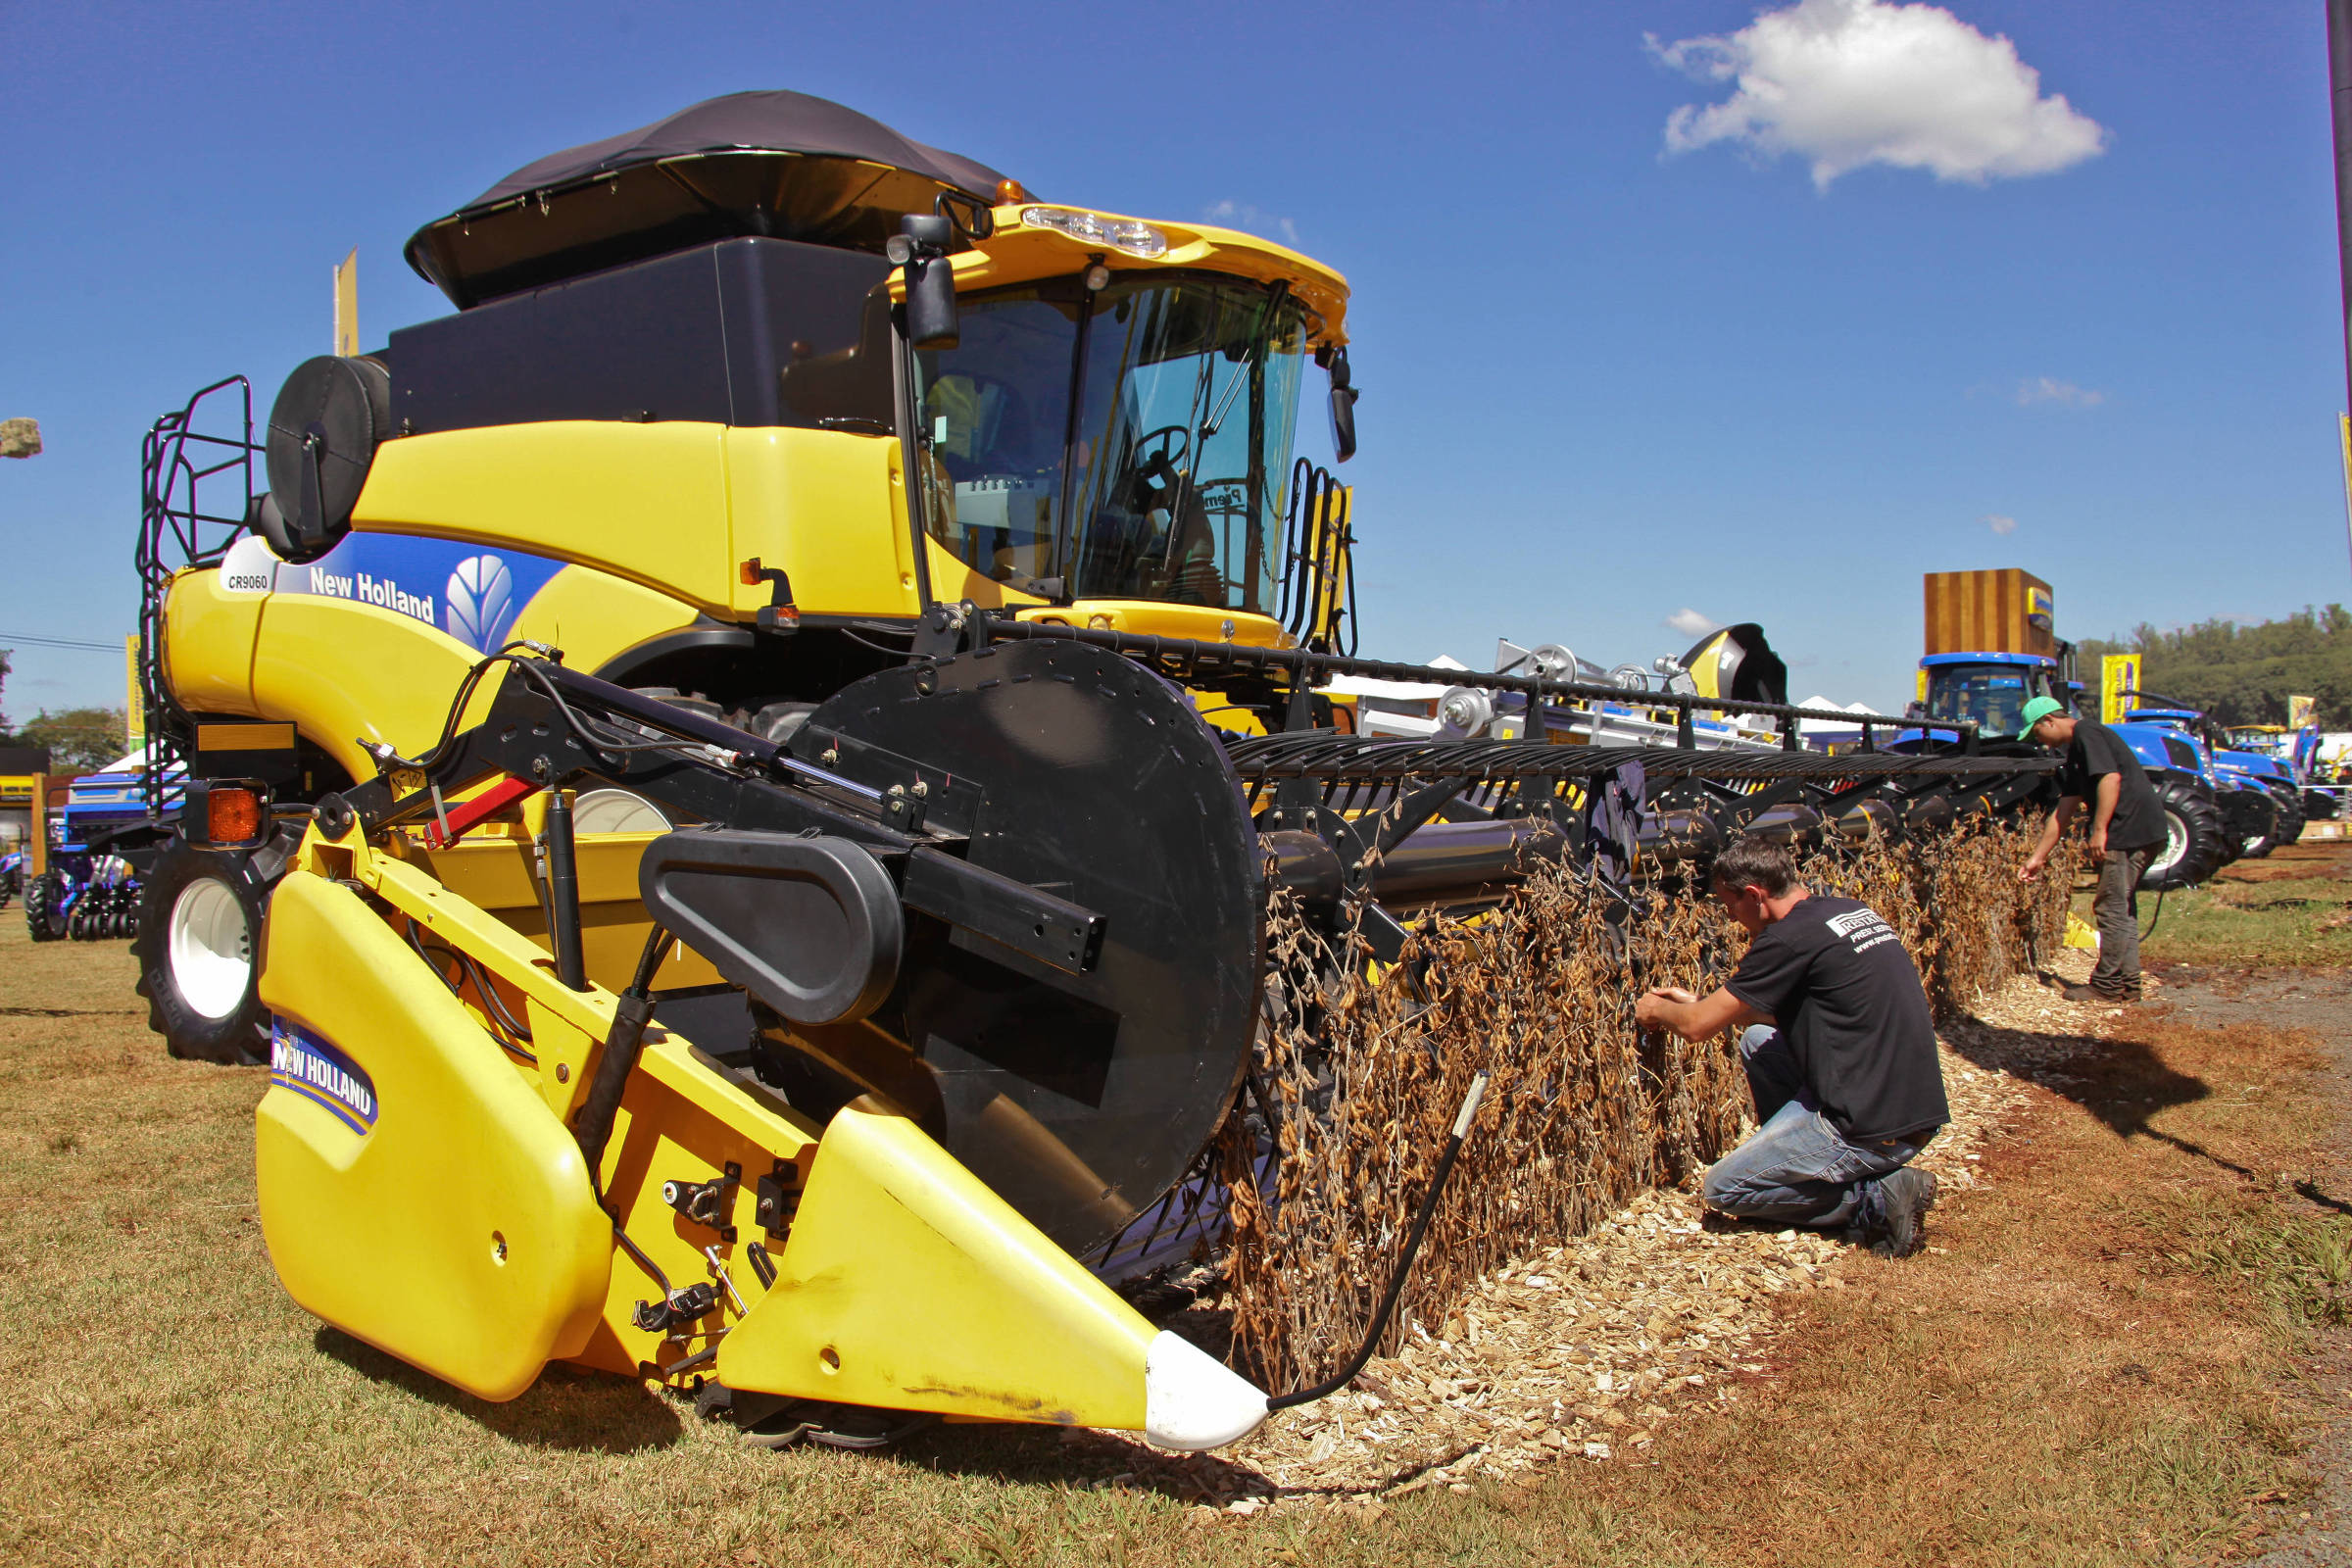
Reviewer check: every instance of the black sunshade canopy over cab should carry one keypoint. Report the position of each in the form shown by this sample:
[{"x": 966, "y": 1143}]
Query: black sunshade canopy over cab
[{"x": 782, "y": 165}]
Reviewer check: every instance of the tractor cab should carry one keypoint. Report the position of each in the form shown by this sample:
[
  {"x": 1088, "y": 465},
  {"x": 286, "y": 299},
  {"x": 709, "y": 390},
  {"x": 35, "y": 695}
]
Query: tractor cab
[{"x": 1990, "y": 688}]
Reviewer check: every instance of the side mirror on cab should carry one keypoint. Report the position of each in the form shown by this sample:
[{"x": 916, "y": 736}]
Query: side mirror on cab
[
  {"x": 920, "y": 249},
  {"x": 1343, "y": 407}
]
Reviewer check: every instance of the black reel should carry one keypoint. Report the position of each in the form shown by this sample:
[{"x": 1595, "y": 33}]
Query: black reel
[{"x": 1079, "y": 1097}]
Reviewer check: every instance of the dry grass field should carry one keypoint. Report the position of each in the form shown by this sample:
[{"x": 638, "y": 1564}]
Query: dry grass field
[
  {"x": 2293, "y": 907},
  {"x": 2095, "y": 1365}
]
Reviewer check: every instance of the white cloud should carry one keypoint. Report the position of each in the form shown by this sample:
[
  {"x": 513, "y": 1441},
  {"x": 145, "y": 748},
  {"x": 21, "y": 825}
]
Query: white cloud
[
  {"x": 1254, "y": 221},
  {"x": 1852, "y": 82},
  {"x": 1691, "y": 623},
  {"x": 2043, "y": 389},
  {"x": 2000, "y": 524}
]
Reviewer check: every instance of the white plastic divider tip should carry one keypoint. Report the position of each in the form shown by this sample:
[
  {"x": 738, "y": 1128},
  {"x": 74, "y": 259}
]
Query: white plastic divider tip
[{"x": 1193, "y": 1401}]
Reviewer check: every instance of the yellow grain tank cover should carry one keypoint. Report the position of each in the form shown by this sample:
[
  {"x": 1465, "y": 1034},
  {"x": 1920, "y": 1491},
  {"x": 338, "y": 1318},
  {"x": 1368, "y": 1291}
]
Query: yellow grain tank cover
[
  {"x": 415, "y": 1192},
  {"x": 907, "y": 1284}
]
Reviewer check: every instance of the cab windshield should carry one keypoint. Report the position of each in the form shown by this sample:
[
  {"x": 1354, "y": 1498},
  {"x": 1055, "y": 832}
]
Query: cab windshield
[
  {"x": 1993, "y": 695},
  {"x": 1118, "y": 444}
]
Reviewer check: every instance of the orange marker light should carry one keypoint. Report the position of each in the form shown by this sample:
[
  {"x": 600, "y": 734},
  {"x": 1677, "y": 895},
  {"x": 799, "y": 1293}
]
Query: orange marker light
[
  {"x": 1010, "y": 190},
  {"x": 233, "y": 817},
  {"x": 748, "y": 572}
]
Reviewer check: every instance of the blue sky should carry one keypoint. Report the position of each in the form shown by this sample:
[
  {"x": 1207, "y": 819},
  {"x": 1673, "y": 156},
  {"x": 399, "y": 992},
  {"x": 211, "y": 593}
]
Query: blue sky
[{"x": 1607, "y": 383}]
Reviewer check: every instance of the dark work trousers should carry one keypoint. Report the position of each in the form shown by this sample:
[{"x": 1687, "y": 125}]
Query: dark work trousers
[{"x": 2116, "y": 906}]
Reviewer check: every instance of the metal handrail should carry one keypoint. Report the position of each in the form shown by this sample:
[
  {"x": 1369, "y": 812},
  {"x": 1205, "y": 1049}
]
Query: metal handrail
[{"x": 175, "y": 461}]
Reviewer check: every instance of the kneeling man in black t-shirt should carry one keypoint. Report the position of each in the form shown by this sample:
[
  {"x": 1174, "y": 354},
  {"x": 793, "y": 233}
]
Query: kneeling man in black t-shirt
[{"x": 1841, "y": 1056}]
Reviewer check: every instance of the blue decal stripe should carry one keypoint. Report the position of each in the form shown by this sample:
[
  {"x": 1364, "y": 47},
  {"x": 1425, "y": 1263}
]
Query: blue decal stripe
[
  {"x": 472, "y": 594},
  {"x": 318, "y": 1097}
]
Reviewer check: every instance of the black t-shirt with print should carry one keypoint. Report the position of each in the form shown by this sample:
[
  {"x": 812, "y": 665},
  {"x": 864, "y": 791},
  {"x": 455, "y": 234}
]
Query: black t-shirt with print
[
  {"x": 2139, "y": 821},
  {"x": 1836, "y": 978}
]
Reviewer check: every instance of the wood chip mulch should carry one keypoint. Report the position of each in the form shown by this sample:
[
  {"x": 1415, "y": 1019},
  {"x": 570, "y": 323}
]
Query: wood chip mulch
[{"x": 1588, "y": 1351}]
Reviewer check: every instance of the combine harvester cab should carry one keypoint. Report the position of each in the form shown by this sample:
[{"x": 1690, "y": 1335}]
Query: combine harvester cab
[{"x": 737, "y": 782}]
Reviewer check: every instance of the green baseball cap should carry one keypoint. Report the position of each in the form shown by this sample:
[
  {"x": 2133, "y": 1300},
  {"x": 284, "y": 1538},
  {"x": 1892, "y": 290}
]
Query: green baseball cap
[{"x": 2039, "y": 709}]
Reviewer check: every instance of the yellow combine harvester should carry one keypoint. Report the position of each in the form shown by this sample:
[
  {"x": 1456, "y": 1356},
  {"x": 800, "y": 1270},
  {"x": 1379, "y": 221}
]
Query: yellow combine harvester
[{"x": 736, "y": 780}]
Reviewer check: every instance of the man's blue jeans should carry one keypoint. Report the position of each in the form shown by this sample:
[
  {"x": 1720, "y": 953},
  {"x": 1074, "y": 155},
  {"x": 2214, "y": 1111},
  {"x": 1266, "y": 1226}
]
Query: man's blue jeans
[{"x": 1799, "y": 1169}]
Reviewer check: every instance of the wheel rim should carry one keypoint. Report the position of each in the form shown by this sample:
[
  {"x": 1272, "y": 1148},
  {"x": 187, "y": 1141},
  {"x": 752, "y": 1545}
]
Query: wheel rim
[
  {"x": 211, "y": 949},
  {"x": 2175, "y": 842}
]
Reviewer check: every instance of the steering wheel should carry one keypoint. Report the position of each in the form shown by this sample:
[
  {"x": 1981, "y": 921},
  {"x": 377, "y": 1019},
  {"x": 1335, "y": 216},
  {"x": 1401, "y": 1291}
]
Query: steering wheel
[
  {"x": 1155, "y": 477},
  {"x": 1180, "y": 435}
]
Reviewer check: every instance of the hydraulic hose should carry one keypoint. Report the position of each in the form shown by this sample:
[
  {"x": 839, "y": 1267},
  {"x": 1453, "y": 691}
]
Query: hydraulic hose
[{"x": 1404, "y": 1266}]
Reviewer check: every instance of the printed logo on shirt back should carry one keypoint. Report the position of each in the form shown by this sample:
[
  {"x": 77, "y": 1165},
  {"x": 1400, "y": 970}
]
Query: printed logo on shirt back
[{"x": 1861, "y": 927}]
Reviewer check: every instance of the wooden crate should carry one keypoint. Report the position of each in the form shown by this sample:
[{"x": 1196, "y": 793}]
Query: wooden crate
[{"x": 1990, "y": 612}]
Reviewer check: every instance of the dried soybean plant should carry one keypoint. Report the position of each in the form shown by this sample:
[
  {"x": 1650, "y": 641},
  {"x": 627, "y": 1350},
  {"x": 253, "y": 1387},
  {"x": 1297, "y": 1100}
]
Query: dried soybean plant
[{"x": 1356, "y": 1080}]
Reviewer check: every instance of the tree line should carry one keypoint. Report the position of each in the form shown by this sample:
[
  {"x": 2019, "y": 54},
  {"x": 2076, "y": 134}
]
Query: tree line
[{"x": 2242, "y": 675}]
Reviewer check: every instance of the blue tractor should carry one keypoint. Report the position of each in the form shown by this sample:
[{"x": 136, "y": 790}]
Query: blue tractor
[
  {"x": 98, "y": 847},
  {"x": 2259, "y": 791},
  {"x": 1993, "y": 688}
]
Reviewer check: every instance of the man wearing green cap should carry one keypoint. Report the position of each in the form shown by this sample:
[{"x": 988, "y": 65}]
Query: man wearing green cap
[{"x": 2127, "y": 828}]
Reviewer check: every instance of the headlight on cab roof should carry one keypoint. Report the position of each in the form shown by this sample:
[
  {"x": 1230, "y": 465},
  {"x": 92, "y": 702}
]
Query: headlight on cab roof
[{"x": 1093, "y": 228}]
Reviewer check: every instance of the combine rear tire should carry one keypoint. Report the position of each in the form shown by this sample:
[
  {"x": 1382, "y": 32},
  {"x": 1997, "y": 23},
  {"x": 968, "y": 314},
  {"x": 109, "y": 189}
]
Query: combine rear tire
[
  {"x": 2318, "y": 805},
  {"x": 42, "y": 917},
  {"x": 198, "y": 950},
  {"x": 2193, "y": 847}
]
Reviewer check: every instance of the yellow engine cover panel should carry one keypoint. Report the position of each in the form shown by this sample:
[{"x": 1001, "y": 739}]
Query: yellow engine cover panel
[
  {"x": 414, "y": 1191},
  {"x": 822, "y": 505},
  {"x": 907, "y": 1283},
  {"x": 646, "y": 502}
]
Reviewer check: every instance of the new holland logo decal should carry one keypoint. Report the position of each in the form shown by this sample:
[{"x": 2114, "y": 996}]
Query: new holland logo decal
[{"x": 300, "y": 1061}]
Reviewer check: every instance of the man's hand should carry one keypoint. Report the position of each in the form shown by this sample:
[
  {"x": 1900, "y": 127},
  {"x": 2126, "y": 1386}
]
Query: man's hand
[
  {"x": 1693, "y": 1017},
  {"x": 2031, "y": 869},
  {"x": 2099, "y": 843},
  {"x": 1649, "y": 1011}
]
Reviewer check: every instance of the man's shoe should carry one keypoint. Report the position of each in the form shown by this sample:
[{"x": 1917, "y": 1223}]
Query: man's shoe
[{"x": 1902, "y": 1198}]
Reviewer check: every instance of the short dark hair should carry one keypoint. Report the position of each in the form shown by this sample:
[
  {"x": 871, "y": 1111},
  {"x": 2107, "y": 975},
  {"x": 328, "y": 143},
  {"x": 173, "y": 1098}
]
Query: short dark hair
[{"x": 1752, "y": 861}]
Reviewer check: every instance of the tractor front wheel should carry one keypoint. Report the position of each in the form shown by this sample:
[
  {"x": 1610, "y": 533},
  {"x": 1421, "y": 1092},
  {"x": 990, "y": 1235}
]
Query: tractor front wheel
[
  {"x": 2289, "y": 806},
  {"x": 44, "y": 917},
  {"x": 2253, "y": 817},
  {"x": 2194, "y": 846},
  {"x": 198, "y": 950}
]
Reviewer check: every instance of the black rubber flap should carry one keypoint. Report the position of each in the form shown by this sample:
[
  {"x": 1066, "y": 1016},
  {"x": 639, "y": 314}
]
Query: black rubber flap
[
  {"x": 1080, "y": 1099},
  {"x": 328, "y": 419},
  {"x": 810, "y": 926},
  {"x": 1753, "y": 672}
]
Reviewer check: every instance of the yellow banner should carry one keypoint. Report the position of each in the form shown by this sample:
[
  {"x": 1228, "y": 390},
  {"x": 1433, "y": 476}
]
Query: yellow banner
[
  {"x": 2301, "y": 711},
  {"x": 134, "y": 711},
  {"x": 2119, "y": 686}
]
